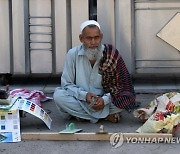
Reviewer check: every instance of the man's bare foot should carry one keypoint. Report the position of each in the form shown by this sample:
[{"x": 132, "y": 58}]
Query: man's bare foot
[
  {"x": 141, "y": 117},
  {"x": 115, "y": 118}
]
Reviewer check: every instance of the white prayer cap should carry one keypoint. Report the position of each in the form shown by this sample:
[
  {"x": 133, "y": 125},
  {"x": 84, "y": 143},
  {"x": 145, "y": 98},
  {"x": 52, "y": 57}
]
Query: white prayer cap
[{"x": 89, "y": 22}]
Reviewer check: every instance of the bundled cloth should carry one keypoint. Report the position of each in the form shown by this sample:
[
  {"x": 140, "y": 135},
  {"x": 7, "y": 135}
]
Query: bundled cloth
[
  {"x": 161, "y": 115},
  {"x": 35, "y": 96},
  {"x": 116, "y": 79}
]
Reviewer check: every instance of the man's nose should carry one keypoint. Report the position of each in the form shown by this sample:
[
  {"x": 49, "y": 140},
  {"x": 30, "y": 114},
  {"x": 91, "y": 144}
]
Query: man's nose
[{"x": 93, "y": 41}]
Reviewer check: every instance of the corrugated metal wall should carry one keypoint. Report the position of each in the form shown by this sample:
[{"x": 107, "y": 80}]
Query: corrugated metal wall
[
  {"x": 36, "y": 34},
  {"x": 33, "y": 36}
]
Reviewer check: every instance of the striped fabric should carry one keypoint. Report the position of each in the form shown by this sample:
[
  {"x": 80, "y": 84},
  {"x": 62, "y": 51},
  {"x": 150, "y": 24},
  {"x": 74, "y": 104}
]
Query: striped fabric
[{"x": 116, "y": 79}]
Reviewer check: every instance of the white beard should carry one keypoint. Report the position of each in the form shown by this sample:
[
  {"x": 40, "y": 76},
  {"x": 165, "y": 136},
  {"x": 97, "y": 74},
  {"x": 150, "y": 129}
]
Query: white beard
[{"x": 92, "y": 54}]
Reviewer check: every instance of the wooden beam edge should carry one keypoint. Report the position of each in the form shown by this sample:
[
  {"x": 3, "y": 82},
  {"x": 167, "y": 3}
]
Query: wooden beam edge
[{"x": 54, "y": 136}]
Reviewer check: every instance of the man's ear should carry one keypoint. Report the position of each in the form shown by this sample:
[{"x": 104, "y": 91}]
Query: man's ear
[{"x": 81, "y": 38}]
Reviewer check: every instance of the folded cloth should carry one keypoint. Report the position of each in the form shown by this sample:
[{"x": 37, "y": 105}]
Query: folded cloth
[
  {"x": 162, "y": 114},
  {"x": 163, "y": 122},
  {"x": 35, "y": 96}
]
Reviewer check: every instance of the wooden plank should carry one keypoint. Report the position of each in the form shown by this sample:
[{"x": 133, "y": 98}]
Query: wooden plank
[{"x": 89, "y": 136}]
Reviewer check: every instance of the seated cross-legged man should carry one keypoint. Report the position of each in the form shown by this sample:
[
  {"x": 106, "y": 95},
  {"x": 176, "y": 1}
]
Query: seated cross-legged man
[{"x": 95, "y": 83}]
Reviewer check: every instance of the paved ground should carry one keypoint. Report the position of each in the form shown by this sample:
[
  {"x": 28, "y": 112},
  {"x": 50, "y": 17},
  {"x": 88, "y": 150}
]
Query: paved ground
[
  {"x": 128, "y": 124},
  {"x": 85, "y": 147}
]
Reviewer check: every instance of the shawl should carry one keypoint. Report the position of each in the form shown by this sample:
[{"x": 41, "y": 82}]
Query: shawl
[{"x": 116, "y": 79}]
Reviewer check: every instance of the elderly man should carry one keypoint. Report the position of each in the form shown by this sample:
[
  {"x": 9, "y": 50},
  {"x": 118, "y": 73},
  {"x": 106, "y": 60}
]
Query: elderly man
[{"x": 95, "y": 83}]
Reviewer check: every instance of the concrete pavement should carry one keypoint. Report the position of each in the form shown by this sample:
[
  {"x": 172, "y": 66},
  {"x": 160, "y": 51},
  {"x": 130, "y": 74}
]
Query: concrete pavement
[{"x": 29, "y": 123}]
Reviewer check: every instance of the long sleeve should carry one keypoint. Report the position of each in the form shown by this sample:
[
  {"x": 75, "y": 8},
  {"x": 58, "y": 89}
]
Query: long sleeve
[
  {"x": 68, "y": 77},
  {"x": 107, "y": 98}
]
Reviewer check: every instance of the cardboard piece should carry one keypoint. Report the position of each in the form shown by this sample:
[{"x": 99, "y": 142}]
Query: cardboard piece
[
  {"x": 34, "y": 109},
  {"x": 10, "y": 126},
  {"x": 10, "y": 121}
]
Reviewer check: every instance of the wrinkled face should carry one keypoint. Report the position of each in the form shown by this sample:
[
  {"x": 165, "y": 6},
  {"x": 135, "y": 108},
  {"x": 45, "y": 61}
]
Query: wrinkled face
[{"x": 91, "y": 37}]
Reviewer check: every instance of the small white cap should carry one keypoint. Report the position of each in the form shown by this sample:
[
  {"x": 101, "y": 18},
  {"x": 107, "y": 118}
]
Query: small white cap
[{"x": 89, "y": 22}]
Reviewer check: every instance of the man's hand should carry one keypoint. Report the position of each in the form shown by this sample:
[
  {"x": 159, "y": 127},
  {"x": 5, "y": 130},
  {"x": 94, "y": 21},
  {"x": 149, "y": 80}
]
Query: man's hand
[
  {"x": 99, "y": 101},
  {"x": 89, "y": 97},
  {"x": 99, "y": 104}
]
